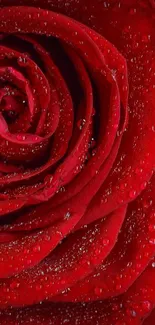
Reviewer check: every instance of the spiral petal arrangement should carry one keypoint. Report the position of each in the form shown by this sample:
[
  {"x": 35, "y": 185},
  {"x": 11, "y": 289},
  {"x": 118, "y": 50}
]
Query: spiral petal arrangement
[{"x": 77, "y": 136}]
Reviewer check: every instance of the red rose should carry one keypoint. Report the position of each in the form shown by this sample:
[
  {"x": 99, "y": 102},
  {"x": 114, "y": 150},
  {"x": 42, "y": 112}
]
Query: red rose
[{"x": 77, "y": 138}]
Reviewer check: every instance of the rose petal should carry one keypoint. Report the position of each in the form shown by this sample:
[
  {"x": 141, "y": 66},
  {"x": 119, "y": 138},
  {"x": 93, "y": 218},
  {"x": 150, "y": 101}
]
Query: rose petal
[
  {"x": 21, "y": 254},
  {"x": 60, "y": 314},
  {"x": 77, "y": 257},
  {"x": 128, "y": 259}
]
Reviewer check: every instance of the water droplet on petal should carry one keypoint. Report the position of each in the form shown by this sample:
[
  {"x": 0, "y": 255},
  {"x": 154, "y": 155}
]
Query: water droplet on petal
[
  {"x": 20, "y": 137},
  {"x": 118, "y": 286},
  {"x": 81, "y": 123},
  {"x": 36, "y": 248},
  {"x": 153, "y": 128},
  {"x": 14, "y": 285},
  {"x": 143, "y": 185},
  {"x": 152, "y": 241},
  {"x": 146, "y": 305},
  {"x": 94, "y": 152},
  {"x": 29, "y": 262},
  {"x": 151, "y": 228},
  {"x": 138, "y": 171},
  {"x": 98, "y": 291},
  {"x": 38, "y": 287},
  {"x": 105, "y": 242},
  {"x": 132, "y": 313},
  {"x": 123, "y": 186},
  {"x": 132, "y": 194},
  {"x": 47, "y": 237},
  {"x": 48, "y": 179},
  {"x": 92, "y": 143},
  {"x": 22, "y": 61},
  {"x": 132, "y": 11},
  {"x": 67, "y": 215}
]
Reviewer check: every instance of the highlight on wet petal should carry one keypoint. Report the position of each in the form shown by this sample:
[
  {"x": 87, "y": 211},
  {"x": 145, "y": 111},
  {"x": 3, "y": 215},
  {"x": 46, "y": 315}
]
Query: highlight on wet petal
[{"x": 77, "y": 136}]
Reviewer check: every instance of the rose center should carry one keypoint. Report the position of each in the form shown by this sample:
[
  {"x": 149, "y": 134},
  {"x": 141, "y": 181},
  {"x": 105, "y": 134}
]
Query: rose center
[{"x": 12, "y": 103}]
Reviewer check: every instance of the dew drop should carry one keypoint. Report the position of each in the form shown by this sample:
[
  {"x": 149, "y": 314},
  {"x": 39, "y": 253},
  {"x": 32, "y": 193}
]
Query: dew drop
[
  {"x": 132, "y": 194},
  {"x": 67, "y": 215},
  {"x": 153, "y": 128},
  {"x": 48, "y": 179},
  {"x": 118, "y": 286},
  {"x": 143, "y": 185},
  {"x": 94, "y": 152},
  {"x": 47, "y": 237},
  {"x": 29, "y": 262},
  {"x": 138, "y": 266},
  {"x": 152, "y": 241},
  {"x": 132, "y": 11},
  {"x": 98, "y": 291},
  {"x": 92, "y": 143},
  {"x": 14, "y": 285},
  {"x": 97, "y": 251},
  {"x": 81, "y": 123},
  {"x": 20, "y": 137},
  {"x": 146, "y": 38},
  {"x": 138, "y": 171},
  {"x": 123, "y": 186},
  {"x": 36, "y": 248},
  {"x": 146, "y": 305},
  {"x": 22, "y": 60},
  {"x": 115, "y": 307},
  {"x": 133, "y": 313},
  {"x": 105, "y": 242},
  {"x": 151, "y": 228},
  {"x": 6, "y": 289},
  {"x": 38, "y": 287}
]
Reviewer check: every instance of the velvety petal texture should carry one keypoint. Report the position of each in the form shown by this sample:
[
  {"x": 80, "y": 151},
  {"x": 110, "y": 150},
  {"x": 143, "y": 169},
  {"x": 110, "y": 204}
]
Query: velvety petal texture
[{"x": 77, "y": 184}]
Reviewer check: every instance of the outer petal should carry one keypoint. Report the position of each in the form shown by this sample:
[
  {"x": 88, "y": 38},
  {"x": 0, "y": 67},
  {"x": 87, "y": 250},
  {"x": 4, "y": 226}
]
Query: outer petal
[
  {"x": 25, "y": 252},
  {"x": 123, "y": 29},
  {"x": 129, "y": 258},
  {"x": 74, "y": 259},
  {"x": 77, "y": 314}
]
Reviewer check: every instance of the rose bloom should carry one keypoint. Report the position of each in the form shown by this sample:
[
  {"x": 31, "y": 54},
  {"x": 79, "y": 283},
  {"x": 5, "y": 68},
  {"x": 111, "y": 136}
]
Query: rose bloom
[{"x": 77, "y": 156}]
